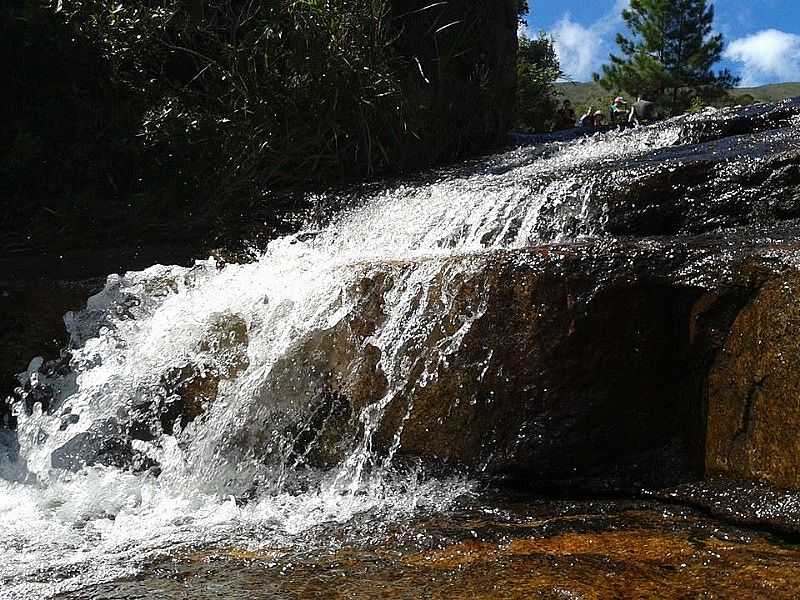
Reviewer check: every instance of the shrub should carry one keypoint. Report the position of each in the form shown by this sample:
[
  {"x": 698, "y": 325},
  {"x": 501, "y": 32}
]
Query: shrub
[
  {"x": 156, "y": 111},
  {"x": 537, "y": 70}
]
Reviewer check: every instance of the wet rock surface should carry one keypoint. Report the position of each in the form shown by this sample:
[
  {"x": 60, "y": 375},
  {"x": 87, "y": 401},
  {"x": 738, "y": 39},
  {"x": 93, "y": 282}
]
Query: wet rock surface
[
  {"x": 743, "y": 121},
  {"x": 691, "y": 188},
  {"x": 745, "y": 502},
  {"x": 754, "y": 406},
  {"x": 574, "y": 550},
  {"x": 579, "y": 366},
  {"x": 105, "y": 443},
  {"x": 605, "y": 365}
]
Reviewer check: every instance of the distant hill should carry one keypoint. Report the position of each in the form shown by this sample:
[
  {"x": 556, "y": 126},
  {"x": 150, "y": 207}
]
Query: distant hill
[
  {"x": 582, "y": 93},
  {"x": 771, "y": 93}
]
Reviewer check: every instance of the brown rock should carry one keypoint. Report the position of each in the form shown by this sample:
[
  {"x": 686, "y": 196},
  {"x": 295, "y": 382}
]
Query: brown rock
[
  {"x": 594, "y": 552},
  {"x": 570, "y": 369},
  {"x": 753, "y": 398},
  {"x": 187, "y": 393},
  {"x": 574, "y": 366},
  {"x": 578, "y": 366},
  {"x": 189, "y": 390},
  {"x": 225, "y": 344}
]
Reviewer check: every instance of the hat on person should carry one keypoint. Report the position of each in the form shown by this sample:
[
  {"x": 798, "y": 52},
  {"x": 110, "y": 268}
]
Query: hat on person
[
  {"x": 598, "y": 113},
  {"x": 619, "y": 100}
]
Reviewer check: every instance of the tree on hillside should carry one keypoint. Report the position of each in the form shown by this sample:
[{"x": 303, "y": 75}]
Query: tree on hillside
[{"x": 670, "y": 54}]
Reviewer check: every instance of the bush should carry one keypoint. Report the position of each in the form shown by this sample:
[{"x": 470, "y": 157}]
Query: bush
[
  {"x": 144, "y": 112},
  {"x": 537, "y": 71},
  {"x": 729, "y": 99}
]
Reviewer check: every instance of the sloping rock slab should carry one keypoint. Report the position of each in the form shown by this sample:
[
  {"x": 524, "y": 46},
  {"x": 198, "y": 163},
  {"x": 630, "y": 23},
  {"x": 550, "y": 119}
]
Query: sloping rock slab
[{"x": 746, "y": 502}]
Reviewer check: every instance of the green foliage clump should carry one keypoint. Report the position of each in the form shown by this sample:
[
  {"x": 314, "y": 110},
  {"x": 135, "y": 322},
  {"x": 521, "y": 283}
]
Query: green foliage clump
[
  {"x": 67, "y": 125},
  {"x": 670, "y": 55},
  {"x": 457, "y": 72},
  {"x": 537, "y": 71},
  {"x": 262, "y": 93}
]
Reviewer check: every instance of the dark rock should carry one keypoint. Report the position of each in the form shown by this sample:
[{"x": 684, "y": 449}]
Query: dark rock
[
  {"x": 140, "y": 422},
  {"x": 703, "y": 184},
  {"x": 702, "y": 188},
  {"x": 745, "y": 120},
  {"x": 102, "y": 444},
  {"x": 35, "y": 392},
  {"x": 9, "y": 448},
  {"x": 187, "y": 391},
  {"x": 313, "y": 437},
  {"x": 67, "y": 420},
  {"x": 741, "y": 501}
]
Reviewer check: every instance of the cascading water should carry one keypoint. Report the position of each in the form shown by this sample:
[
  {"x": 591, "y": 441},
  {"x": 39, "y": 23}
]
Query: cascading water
[{"x": 195, "y": 419}]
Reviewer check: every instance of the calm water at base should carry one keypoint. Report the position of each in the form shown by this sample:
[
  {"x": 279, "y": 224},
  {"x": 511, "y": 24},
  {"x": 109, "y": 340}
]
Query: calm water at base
[{"x": 504, "y": 550}]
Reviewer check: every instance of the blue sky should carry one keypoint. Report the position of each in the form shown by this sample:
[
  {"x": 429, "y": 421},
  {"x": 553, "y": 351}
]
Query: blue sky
[{"x": 763, "y": 36}]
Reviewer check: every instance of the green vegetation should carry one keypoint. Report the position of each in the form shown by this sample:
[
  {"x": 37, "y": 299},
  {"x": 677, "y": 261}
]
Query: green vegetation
[
  {"x": 537, "y": 71},
  {"x": 670, "y": 55},
  {"x": 142, "y": 121}
]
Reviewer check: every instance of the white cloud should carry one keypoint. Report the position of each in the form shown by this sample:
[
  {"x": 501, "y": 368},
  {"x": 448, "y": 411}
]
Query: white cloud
[
  {"x": 578, "y": 48},
  {"x": 766, "y": 56},
  {"x": 582, "y": 49}
]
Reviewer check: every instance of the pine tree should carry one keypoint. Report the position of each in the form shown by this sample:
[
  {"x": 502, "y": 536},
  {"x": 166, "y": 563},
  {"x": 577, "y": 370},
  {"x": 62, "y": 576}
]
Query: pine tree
[{"x": 670, "y": 55}]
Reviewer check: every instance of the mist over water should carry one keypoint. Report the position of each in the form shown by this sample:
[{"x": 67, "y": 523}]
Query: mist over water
[{"x": 238, "y": 474}]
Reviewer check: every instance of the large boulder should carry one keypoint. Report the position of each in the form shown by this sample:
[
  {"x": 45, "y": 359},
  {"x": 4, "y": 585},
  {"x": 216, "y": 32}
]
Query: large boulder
[
  {"x": 559, "y": 366},
  {"x": 648, "y": 360},
  {"x": 754, "y": 390}
]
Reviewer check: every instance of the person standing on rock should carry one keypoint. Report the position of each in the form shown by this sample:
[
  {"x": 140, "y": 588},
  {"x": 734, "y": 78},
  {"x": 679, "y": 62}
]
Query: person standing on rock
[
  {"x": 618, "y": 113},
  {"x": 7, "y": 420},
  {"x": 643, "y": 112},
  {"x": 565, "y": 116},
  {"x": 587, "y": 119}
]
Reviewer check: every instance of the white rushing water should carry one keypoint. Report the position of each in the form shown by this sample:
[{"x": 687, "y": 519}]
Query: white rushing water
[{"x": 63, "y": 529}]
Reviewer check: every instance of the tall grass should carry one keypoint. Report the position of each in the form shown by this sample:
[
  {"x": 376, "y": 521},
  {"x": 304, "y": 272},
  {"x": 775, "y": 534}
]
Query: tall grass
[{"x": 226, "y": 100}]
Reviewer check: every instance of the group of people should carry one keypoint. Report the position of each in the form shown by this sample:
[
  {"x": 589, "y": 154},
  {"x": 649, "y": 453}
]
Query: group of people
[{"x": 640, "y": 112}]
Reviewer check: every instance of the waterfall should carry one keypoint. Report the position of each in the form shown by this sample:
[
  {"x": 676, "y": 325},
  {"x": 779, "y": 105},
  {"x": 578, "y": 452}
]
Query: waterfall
[{"x": 214, "y": 392}]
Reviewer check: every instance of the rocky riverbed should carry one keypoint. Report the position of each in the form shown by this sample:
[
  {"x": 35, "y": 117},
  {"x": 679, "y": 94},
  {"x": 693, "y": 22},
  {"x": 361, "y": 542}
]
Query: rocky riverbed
[{"x": 511, "y": 550}]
